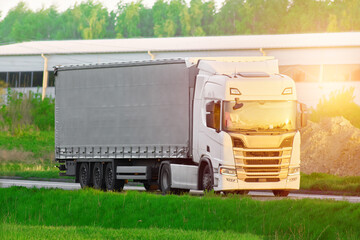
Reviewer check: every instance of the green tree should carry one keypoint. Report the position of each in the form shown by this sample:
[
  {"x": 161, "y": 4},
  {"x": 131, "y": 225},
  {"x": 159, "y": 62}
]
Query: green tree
[
  {"x": 22, "y": 24},
  {"x": 339, "y": 103},
  {"x": 229, "y": 20},
  {"x": 92, "y": 18},
  {"x": 271, "y": 16},
  {"x": 306, "y": 16},
  {"x": 159, "y": 10},
  {"x": 208, "y": 12},
  {"x": 110, "y": 28},
  {"x": 146, "y": 23},
  {"x": 347, "y": 13},
  {"x": 133, "y": 20},
  {"x": 333, "y": 23},
  {"x": 196, "y": 15},
  {"x": 13, "y": 22},
  {"x": 178, "y": 20},
  {"x": 68, "y": 26}
]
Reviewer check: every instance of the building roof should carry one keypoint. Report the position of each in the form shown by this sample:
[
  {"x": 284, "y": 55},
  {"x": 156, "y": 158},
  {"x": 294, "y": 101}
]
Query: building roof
[{"x": 283, "y": 41}]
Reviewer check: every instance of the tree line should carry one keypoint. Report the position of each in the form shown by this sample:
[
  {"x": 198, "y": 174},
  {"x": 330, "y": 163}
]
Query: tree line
[{"x": 174, "y": 18}]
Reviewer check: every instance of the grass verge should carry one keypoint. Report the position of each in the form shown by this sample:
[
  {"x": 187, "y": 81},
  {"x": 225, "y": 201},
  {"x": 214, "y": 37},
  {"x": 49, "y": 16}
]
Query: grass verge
[
  {"x": 284, "y": 219},
  {"x": 327, "y": 182},
  {"x": 13, "y": 231},
  {"x": 28, "y": 154},
  {"x": 39, "y": 143}
]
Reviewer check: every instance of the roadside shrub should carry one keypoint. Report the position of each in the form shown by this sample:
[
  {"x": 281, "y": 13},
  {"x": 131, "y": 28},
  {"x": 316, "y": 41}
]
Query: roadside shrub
[
  {"x": 26, "y": 111},
  {"x": 43, "y": 111},
  {"x": 339, "y": 103},
  {"x": 2, "y": 91}
]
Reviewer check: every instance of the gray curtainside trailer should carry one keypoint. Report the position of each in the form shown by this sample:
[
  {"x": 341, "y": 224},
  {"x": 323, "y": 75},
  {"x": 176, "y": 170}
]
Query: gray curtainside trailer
[{"x": 131, "y": 115}]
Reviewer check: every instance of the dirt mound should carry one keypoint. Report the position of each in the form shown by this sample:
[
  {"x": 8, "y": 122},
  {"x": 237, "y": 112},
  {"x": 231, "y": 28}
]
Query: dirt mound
[
  {"x": 331, "y": 146},
  {"x": 15, "y": 155}
]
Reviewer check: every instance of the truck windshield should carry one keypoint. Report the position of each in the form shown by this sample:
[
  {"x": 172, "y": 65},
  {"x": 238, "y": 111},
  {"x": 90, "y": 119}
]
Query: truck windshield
[{"x": 270, "y": 116}]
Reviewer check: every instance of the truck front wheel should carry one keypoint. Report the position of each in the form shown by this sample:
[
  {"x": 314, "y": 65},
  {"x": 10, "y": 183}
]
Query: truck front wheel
[
  {"x": 207, "y": 179},
  {"x": 165, "y": 179},
  {"x": 151, "y": 187},
  {"x": 281, "y": 193},
  {"x": 111, "y": 183},
  {"x": 84, "y": 175},
  {"x": 237, "y": 192}
]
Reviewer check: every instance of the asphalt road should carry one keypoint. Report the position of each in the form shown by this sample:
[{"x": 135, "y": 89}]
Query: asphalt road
[{"x": 259, "y": 195}]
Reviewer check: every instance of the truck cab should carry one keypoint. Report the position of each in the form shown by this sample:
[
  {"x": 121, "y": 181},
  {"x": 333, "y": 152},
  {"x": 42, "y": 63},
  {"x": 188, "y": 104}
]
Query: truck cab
[{"x": 246, "y": 127}]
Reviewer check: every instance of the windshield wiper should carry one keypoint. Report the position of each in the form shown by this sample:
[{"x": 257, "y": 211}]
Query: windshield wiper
[
  {"x": 276, "y": 130},
  {"x": 246, "y": 130}
]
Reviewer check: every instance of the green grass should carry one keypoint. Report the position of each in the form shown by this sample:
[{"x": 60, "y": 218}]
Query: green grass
[
  {"x": 8, "y": 171},
  {"x": 39, "y": 143},
  {"x": 327, "y": 182},
  {"x": 284, "y": 219},
  {"x": 13, "y": 231},
  {"x": 35, "y": 169},
  {"x": 28, "y": 154}
]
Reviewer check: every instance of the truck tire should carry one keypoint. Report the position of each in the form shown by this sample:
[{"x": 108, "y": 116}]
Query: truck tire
[
  {"x": 111, "y": 183},
  {"x": 98, "y": 176},
  {"x": 281, "y": 193},
  {"x": 207, "y": 183},
  {"x": 237, "y": 192},
  {"x": 165, "y": 179},
  {"x": 151, "y": 187},
  {"x": 84, "y": 175},
  {"x": 180, "y": 191}
]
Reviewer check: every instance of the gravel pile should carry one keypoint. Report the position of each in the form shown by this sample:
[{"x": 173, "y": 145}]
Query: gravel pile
[{"x": 331, "y": 146}]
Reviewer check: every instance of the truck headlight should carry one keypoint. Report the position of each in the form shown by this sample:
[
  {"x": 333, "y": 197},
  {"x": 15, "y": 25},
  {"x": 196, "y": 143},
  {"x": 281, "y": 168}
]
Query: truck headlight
[
  {"x": 228, "y": 171},
  {"x": 293, "y": 171}
]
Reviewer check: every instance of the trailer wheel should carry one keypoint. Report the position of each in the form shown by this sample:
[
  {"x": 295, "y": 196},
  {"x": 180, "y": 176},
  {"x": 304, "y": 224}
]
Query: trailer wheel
[
  {"x": 111, "y": 183},
  {"x": 165, "y": 179},
  {"x": 281, "y": 193},
  {"x": 84, "y": 175},
  {"x": 207, "y": 179},
  {"x": 98, "y": 176}
]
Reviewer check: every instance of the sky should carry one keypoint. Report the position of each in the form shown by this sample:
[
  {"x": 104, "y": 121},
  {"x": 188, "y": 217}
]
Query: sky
[{"x": 6, "y": 5}]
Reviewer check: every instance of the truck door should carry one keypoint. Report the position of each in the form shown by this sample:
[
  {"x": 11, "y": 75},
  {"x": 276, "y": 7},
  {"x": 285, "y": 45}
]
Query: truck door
[{"x": 209, "y": 138}]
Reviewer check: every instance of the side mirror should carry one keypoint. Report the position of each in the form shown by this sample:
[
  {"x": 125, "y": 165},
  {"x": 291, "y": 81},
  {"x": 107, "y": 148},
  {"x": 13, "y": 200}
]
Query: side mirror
[
  {"x": 210, "y": 107},
  {"x": 213, "y": 115},
  {"x": 210, "y": 120}
]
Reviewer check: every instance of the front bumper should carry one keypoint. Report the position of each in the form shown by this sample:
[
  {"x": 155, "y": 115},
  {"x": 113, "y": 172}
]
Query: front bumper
[{"x": 230, "y": 183}]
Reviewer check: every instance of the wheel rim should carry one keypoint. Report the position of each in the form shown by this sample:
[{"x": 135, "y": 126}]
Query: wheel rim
[
  {"x": 84, "y": 175},
  {"x": 165, "y": 180},
  {"x": 97, "y": 176},
  {"x": 109, "y": 176},
  {"x": 207, "y": 179}
]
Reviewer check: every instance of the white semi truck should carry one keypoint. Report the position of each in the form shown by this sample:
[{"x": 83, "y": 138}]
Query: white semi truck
[{"x": 227, "y": 124}]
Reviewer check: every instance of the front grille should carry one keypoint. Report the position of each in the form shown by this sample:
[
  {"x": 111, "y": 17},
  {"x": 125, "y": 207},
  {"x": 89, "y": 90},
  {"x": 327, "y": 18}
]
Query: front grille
[
  {"x": 262, "y": 165},
  {"x": 262, "y": 169},
  {"x": 262, "y": 154},
  {"x": 262, "y": 179},
  {"x": 262, "y": 161}
]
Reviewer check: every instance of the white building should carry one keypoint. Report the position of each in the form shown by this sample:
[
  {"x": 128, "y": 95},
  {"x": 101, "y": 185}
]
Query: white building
[{"x": 319, "y": 63}]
